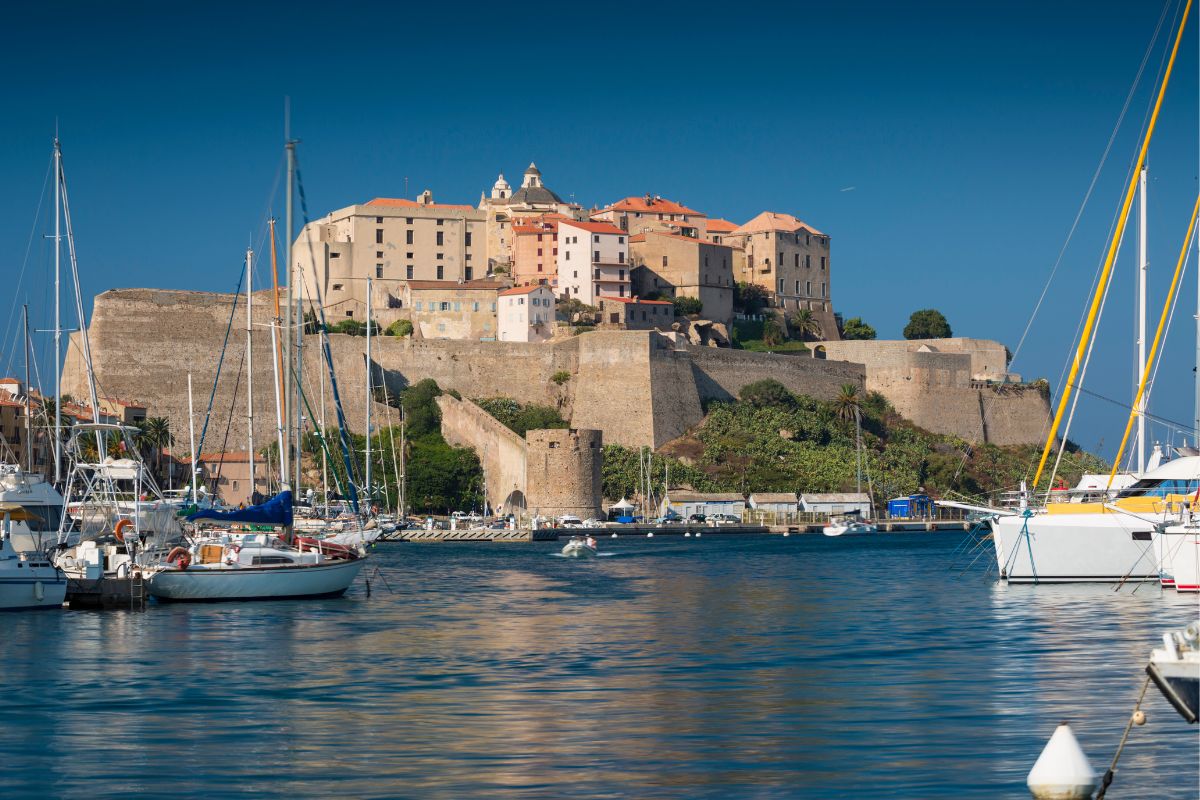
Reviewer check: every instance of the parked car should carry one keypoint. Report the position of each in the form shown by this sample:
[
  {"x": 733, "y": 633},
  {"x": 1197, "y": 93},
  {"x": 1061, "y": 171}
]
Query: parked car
[
  {"x": 670, "y": 518},
  {"x": 699, "y": 519},
  {"x": 725, "y": 519},
  {"x": 569, "y": 521}
]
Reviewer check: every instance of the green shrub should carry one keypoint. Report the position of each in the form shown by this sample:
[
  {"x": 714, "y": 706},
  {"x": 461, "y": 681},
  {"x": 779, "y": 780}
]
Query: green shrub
[
  {"x": 688, "y": 305},
  {"x": 561, "y": 377},
  {"x": 401, "y": 327}
]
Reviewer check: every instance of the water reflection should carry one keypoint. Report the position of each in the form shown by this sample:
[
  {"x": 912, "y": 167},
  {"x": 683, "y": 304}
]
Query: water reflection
[{"x": 720, "y": 667}]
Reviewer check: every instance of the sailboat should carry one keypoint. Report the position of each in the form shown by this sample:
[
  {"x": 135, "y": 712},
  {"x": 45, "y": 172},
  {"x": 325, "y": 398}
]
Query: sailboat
[
  {"x": 852, "y": 523},
  {"x": 27, "y": 579},
  {"x": 1117, "y": 538}
]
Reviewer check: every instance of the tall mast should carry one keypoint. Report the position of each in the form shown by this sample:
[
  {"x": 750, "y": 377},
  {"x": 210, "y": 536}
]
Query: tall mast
[
  {"x": 368, "y": 415},
  {"x": 1143, "y": 268},
  {"x": 278, "y": 363},
  {"x": 290, "y": 148},
  {"x": 403, "y": 499},
  {"x": 324, "y": 453},
  {"x": 28, "y": 421},
  {"x": 250, "y": 365},
  {"x": 57, "y": 313},
  {"x": 192, "y": 440}
]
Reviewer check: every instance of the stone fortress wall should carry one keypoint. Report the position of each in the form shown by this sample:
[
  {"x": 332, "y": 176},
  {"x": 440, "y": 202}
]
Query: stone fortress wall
[{"x": 638, "y": 388}]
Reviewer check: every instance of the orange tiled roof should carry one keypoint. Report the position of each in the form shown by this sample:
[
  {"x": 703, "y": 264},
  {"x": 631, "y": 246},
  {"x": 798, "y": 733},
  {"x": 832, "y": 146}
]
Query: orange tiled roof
[
  {"x": 771, "y": 221},
  {"x": 399, "y": 202},
  {"x": 525, "y": 289},
  {"x": 638, "y": 300},
  {"x": 594, "y": 227},
  {"x": 641, "y": 237},
  {"x": 718, "y": 225},
  {"x": 657, "y": 205}
]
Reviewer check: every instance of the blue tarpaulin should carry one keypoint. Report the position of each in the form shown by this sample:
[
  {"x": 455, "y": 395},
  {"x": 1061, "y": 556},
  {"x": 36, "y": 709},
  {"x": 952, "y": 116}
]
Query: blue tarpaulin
[{"x": 276, "y": 511}]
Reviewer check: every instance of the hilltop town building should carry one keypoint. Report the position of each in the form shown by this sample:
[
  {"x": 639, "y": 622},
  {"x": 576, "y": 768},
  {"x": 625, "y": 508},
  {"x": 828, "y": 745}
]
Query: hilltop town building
[
  {"x": 449, "y": 309},
  {"x": 593, "y": 261},
  {"x": 673, "y": 265},
  {"x": 535, "y": 250},
  {"x": 390, "y": 240},
  {"x": 506, "y": 208},
  {"x": 653, "y": 213},
  {"x": 634, "y": 314},
  {"x": 526, "y": 314}
]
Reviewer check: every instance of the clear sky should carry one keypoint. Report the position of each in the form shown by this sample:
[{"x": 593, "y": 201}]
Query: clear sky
[{"x": 945, "y": 147}]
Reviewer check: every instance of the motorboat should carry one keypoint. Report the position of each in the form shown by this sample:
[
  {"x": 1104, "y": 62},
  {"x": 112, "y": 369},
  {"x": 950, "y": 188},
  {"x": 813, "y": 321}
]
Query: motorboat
[
  {"x": 580, "y": 547},
  {"x": 848, "y": 525},
  {"x": 1175, "y": 670},
  {"x": 1179, "y": 556},
  {"x": 237, "y": 561},
  {"x": 1096, "y": 542},
  {"x": 32, "y": 492},
  {"x": 27, "y": 579}
]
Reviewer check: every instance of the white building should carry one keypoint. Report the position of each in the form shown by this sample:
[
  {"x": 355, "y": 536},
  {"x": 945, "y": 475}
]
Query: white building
[
  {"x": 686, "y": 503},
  {"x": 526, "y": 314},
  {"x": 775, "y": 502},
  {"x": 838, "y": 503},
  {"x": 593, "y": 261}
]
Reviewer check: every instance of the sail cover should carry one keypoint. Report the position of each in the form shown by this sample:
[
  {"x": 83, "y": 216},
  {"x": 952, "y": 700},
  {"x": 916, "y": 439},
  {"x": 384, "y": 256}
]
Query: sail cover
[{"x": 276, "y": 511}]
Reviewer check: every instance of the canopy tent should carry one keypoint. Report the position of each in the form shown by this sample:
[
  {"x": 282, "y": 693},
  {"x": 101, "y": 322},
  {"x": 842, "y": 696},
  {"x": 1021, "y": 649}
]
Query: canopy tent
[
  {"x": 624, "y": 505},
  {"x": 276, "y": 511}
]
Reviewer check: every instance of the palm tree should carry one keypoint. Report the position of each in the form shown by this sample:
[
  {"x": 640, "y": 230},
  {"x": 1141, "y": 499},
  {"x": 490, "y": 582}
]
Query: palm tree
[
  {"x": 156, "y": 434},
  {"x": 848, "y": 404},
  {"x": 806, "y": 324},
  {"x": 772, "y": 333}
]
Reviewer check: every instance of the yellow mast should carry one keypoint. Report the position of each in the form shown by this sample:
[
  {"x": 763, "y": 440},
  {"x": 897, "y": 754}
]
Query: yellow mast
[
  {"x": 1106, "y": 273},
  {"x": 1162, "y": 321}
]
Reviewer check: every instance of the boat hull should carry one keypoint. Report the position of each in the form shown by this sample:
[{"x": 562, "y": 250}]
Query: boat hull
[
  {"x": 1181, "y": 547},
  {"x": 1179, "y": 682},
  {"x": 328, "y": 579},
  {"x": 32, "y": 592},
  {"x": 579, "y": 551},
  {"x": 1082, "y": 548}
]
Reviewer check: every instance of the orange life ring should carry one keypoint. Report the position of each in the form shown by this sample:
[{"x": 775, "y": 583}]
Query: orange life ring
[
  {"x": 120, "y": 528},
  {"x": 181, "y": 557}
]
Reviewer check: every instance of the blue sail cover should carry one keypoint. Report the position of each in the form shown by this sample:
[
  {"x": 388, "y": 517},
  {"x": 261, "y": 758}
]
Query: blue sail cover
[{"x": 276, "y": 511}]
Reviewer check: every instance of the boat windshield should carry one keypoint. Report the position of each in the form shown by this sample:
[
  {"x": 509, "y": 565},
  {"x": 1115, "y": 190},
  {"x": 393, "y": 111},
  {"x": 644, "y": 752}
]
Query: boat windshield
[{"x": 1160, "y": 487}]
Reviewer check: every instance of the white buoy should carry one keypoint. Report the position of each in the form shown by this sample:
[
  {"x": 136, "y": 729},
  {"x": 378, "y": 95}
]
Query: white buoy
[
  {"x": 687, "y": 534},
  {"x": 697, "y": 534},
  {"x": 1062, "y": 771},
  {"x": 649, "y": 534},
  {"x": 786, "y": 534},
  {"x": 614, "y": 536}
]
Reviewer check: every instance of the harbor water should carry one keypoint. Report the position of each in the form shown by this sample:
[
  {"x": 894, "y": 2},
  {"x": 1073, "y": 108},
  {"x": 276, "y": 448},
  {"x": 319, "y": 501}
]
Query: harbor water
[{"x": 724, "y": 666}]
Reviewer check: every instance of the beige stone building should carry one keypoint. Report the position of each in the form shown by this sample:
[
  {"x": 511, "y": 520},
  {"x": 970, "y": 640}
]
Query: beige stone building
[
  {"x": 790, "y": 259},
  {"x": 653, "y": 213},
  {"x": 227, "y": 475},
  {"x": 634, "y": 314},
  {"x": 525, "y": 313},
  {"x": 391, "y": 241},
  {"x": 682, "y": 266},
  {"x": 535, "y": 250},
  {"x": 449, "y": 309},
  {"x": 505, "y": 208},
  {"x": 717, "y": 229}
]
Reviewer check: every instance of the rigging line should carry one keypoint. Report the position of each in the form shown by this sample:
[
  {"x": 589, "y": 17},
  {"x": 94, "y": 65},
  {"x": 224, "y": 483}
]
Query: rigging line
[
  {"x": 1166, "y": 422},
  {"x": 220, "y": 361},
  {"x": 228, "y": 424},
  {"x": 28, "y": 247}
]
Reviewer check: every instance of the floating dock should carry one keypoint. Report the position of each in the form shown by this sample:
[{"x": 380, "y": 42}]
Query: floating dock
[
  {"x": 107, "y": 593},
  {"x": 553, "y": 534}
]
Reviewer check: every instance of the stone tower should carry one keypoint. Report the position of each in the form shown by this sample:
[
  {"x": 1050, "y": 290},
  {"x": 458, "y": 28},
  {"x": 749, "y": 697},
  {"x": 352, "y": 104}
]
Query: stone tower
[
  {"x": 500, "y": 189},
  {"x": 562, "y": 472}
]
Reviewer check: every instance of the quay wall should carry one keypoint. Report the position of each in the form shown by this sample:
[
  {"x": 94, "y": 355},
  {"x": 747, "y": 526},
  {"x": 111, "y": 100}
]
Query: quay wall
[{"x": 501, "y": 451}]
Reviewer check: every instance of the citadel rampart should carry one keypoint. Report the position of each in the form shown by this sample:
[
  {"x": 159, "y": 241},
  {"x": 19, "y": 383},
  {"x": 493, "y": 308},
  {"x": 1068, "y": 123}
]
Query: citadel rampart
[{"x": 637, "y": 387}]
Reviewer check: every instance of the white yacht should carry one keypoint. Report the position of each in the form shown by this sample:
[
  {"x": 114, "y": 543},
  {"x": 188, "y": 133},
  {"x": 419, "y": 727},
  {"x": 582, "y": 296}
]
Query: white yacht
[
  {"x": 27, "y": 579},
  {"x": 1175, "y": 670},
  {"x": 579, "y": 547},
  {"x": 848, "y": 525},
  {"x": 1098, "y": 541},
  {"x": 1179, "y": 556},
  {"x": 38, "y": 496}
]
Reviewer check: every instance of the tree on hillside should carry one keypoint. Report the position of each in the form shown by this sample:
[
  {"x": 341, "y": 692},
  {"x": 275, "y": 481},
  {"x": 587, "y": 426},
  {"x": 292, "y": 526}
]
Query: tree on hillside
[
  {"x": 767, "y": 393},
  {"x": 855, "y": 328},
  {"x": 848, "y": 403},
  {"x": 773, "y": 333},
  {"x": 805, "y": 324},
  {"x": 928, "y": 323},
  {"x": 749, "y": 298},
  {"x": 685, "y": 306}
]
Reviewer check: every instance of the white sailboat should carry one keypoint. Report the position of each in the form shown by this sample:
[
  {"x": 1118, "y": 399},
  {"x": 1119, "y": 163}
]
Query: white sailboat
[{"x": 27, "y": 579}]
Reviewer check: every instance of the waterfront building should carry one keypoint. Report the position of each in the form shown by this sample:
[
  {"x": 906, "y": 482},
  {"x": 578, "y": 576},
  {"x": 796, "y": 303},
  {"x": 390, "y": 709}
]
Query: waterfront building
[
  {"x": 673, "y": 265},
  {"x": 835, "y": 503},
  {"x": 526, "y": 313},
  {"x": 126, "y": 412},
  {"x": 686, "y": 503},
  {"x": 775, "y": 502},
  {"x": 505, "y": 208},
  {"x": 390, "y": 240},
  {"x": 593, "y": 261},
  {"x": 450, "y": 309},
  {"x": 635, "y": 314},
  {"x": 653, "y": 213},
  {"x": 535, "y": 250},
  {"x": 790, "y": 259}
]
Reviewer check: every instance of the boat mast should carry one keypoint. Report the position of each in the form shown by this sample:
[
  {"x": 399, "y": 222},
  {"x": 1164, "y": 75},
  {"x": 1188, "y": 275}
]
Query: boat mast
[
  {"x": 278, "y": 363},
  {"x": 324, "y": 450},
  {"x": 28, "y": 421},
  {"x": 402, "y": 504},
  {"x": 250, "y": 364},
  {"x": 57, "y": 314},
  {"x": 1143, "y": 268},
  {"x": 367, "y": 478},
  {"x": 192, "y": 440}
]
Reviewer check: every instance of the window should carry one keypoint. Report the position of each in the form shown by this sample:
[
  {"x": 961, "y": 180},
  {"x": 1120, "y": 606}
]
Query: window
[
  {"x": 621, "y": 275},
  {"x": 444, "y": 306},
  {"x": 780, "y": 260},
  {"x": 408, "y": 272},
  {"x": 620, "y": 240},
  {"x": 798, "y": 260},
  {"x": 539, "y": 266},
  {"x": 596, "y": 238},
  {"x": 493, "y": 306},
  {"x": 808, "y": 288},
  {"x": 440, "y": 236},
  {"x": 474, "y": 306},
  {"x": 822, "y": 289},
  {"x": 337, "y": 287},
  {"x": 575, "y": 274},
  {"x": 664, "y": 261},
  {"x": 409, "y": 256},
  {"x": 349, "y": 313},
  {"x": 467, "y": 257},
  {"x": 335, "y": 255},
  {"x": 408, "y": 220},
  {"x": 596, "y": 256},
  {"x": 520, "y": 301},
  {"x": 621, "y": 257},
  {"x": 568, "y": 258},
  {"x": 706, "y": 260},
  {"x": 797, "y": 287},
  {"x": 781, "y": 285},
  {"x": 539, "y": 237},
  {"x": 379, "y": 220},
  {"x": 408, "y": 239},
  {"x": 467, "y": 238},
  {"x": 807, "y": 239},
  {"x": 539, "y": 249},
  {"x": 379, "y": 254},
  {"x": 822, "y": 262},
  {"x": 439, "y": 222},
  {"x": 458, "y": 306},
  {"x": 621, "y": 290},
  {"x": 441, "y": 272},
  {"x": 379, "y": 236},
  {"x": 554, "y": 251},
  {"x": 468, "y": 273},
  {"x": 417, "y": 306},
  {"x": 441, "y": 256},
  {"x": 807, "y": 261},
  {"x": 597, "y": 276},
  {"x": 379, "y": 270}
]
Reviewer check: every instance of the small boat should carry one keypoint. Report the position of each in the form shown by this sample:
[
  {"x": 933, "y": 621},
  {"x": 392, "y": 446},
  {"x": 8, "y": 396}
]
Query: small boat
[
  {"x": 579, "y": 547},
  {"x": 1175, "y": 670},
  {"x": 27, "y": 580},
  {"x": 848, "y": 524}
]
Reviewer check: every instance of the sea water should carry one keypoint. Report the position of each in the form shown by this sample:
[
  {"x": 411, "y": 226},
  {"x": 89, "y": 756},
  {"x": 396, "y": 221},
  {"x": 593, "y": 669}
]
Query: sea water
[{"x": 726, "y": 666}]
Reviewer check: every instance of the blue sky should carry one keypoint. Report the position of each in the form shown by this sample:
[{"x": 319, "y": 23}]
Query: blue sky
[{"x": 968, "y": 131}]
